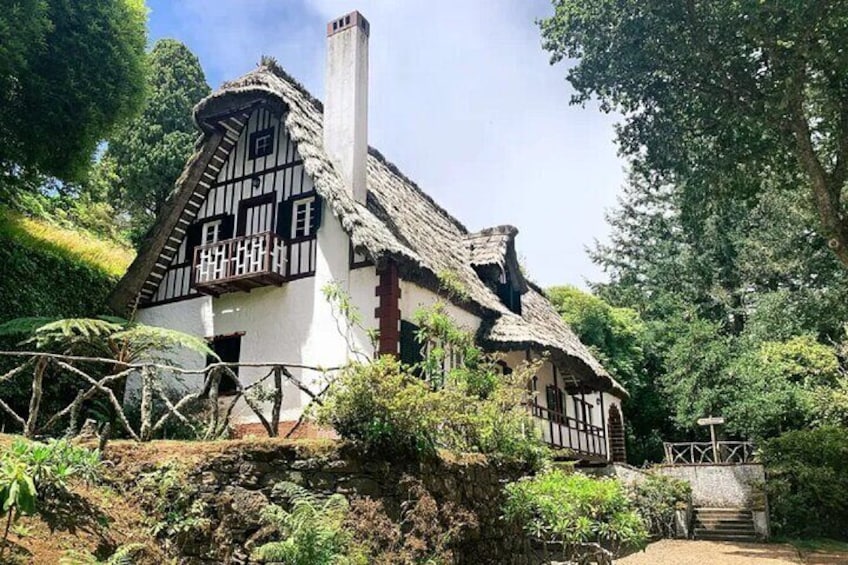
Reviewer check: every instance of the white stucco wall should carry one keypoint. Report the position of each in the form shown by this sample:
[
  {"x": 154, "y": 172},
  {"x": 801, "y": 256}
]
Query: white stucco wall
[
  {"x": 414, "y": 298},
  {"x": 293, "y": 323}
]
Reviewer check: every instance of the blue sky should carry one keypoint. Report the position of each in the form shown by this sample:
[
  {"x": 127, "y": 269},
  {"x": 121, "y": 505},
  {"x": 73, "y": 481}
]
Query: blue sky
[{"x": 461, "y": 97}]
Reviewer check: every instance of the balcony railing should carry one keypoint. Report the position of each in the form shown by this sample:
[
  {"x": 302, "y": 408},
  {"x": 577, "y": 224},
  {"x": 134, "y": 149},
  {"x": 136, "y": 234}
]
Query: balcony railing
[
  {"x": 564, "y": 432},
  {"x": 239, "y": 264},
  {"x": 703, "y": 453}
]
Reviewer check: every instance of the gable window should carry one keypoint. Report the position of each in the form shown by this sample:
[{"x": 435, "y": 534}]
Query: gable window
[
  {"x": 303, "y": 218},
  {"x": 261, "y": 143},
  {"x": 299, "y": 218},
  {"x": 211, "y": 232}
]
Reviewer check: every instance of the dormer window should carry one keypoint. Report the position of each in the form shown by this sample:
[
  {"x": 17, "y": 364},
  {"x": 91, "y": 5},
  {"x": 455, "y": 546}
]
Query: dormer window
[{"x": 261, "y": 143}]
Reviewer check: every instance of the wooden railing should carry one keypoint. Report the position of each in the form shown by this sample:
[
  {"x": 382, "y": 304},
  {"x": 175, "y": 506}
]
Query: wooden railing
[
  {"x": 238, "y": 258},
  {"x": 564, "y": 432},
  {"x": 92, "y": 378},
  {"x": 704, "y": 453}
]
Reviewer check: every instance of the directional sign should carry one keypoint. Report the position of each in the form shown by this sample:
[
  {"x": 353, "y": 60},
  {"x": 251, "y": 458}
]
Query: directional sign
[{"x": 711, "y": 421}]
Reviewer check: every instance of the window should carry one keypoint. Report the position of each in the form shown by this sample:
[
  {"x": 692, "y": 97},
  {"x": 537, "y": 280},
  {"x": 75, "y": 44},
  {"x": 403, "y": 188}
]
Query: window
[
  {"x": 555, "y": 399},
  {"x": 303, "y": 218},
  {"x": 228, "y": 348},
  {"x": 583, "y": 411},
  {"x": 211, "y": 232},
  {"x": 261, "y": 143},
  {"x": 510, "y": 297},
  {"x": 410, "y": 349}
]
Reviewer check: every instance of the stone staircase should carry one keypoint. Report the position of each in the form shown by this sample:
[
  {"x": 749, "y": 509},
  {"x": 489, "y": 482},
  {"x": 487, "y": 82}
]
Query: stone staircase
[{"x": 727, "y": 524}]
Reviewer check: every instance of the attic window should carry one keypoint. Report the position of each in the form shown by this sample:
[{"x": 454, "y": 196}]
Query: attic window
[
  {"x": 510, "y": 296},
  {"x": 261, "y": 143}
]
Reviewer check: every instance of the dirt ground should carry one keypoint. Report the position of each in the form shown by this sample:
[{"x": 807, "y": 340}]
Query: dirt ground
[{"x": 684, "y": 552}]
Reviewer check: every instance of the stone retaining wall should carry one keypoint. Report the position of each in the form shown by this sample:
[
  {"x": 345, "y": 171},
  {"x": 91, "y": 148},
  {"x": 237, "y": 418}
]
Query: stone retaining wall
[
  {"x": 236, "y": 482},
  {"x": 722, "y": 486}
]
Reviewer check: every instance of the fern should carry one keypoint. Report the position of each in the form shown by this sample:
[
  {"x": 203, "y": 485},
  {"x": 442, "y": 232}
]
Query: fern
[
  {"x": 107, "y": 336},
  {"x": 311, "y": 530},
  {"x": 124, "y": 555}
]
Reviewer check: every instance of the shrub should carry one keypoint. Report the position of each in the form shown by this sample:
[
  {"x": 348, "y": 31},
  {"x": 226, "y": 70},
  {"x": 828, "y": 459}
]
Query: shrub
[
  {"x": 574, "y": 510},
  {"x": 391, "y": 408},
  {"x": 807, "y": 478},
  {"x": 656, "y": 498}
]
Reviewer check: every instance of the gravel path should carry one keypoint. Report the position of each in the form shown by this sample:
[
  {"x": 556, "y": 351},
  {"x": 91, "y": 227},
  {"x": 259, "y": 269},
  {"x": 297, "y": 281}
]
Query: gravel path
[{"x": 683, "y": 552}]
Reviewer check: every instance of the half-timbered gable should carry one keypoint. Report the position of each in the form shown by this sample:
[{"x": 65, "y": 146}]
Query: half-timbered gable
[{"x": 255, "y": 223}]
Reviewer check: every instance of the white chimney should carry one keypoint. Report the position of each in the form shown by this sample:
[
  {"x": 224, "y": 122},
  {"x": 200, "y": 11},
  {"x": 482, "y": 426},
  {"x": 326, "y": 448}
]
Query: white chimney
[{"x": 346, "y": 100}]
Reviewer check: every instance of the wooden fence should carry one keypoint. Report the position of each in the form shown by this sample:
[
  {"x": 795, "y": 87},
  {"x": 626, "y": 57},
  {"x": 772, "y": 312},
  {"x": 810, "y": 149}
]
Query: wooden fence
[
  {"x": 705, "y": 453},
  {"x": 100, "y": 378}
]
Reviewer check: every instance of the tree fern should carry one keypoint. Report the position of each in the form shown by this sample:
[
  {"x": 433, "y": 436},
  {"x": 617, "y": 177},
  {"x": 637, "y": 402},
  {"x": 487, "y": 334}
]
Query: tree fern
[{"x": 107, "y": 336}]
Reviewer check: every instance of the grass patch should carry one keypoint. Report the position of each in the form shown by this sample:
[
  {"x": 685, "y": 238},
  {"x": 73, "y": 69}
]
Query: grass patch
[
  {"x": 816, "y": 545},
  {"x": 109, "y": 257}
]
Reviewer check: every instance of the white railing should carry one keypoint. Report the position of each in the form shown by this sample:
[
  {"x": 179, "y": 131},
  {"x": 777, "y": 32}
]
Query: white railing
[
  {"x": 704, "y": 453},
  {"x": 240, "y": 257}
]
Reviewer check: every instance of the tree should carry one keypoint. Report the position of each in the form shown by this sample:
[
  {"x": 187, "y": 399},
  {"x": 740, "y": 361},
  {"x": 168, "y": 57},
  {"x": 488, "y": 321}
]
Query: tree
[
  {"x": 720, "y": 97},
  {"x": 150, "y": 152},
  {"x": 69, "y": 73},
  {"x": 624, "y": 344}
]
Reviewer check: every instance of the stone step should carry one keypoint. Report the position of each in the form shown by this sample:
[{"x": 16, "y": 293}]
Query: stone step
[
  {"x": 724, "y": 525},
  {"x": 722, "y": 536},
  {"x": 730, "y": 524}
]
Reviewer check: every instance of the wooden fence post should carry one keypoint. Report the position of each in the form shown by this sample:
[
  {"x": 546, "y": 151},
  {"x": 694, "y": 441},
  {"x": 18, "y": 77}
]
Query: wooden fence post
[
  {"x": 147, "y": 379},
  {"x": 35, "y": 397}
]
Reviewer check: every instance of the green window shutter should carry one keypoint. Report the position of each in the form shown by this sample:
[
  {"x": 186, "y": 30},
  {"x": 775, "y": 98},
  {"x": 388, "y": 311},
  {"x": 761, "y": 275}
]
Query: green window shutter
[{"x": 410, "y": 349}]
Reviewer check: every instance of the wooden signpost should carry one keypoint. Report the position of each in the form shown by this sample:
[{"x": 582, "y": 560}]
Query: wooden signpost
[{"x": 712, "y": 422}]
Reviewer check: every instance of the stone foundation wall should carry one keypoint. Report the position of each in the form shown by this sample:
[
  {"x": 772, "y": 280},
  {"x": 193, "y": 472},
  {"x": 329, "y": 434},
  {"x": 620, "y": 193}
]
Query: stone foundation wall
[
  {"x": 722, "y": 486},
  {"x": 237, "y": 478}
]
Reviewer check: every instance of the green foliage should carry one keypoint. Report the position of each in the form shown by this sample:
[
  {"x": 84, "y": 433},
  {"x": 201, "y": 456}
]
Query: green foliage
[
  {"x": 381, "y": 407},
  {"x": 777, "y": 385},
  {"x": 104, "y": 337},
  {"x": 622, "y": 342},
  {"x": 177, "y": 512},
  {"x": 724, "y": 99},
  {"x": 71, "y": 72},
  {"x": 452, "y": 285},
  {"x": 45, "y": 275},
  {"x": 30, "y": 471},
  {"x": 806, "y": 476},
  {"x": 466, "y": 406},
  {"x": 311, "y": 530},
  {"x": 573, "y": 509},
  {"x": 149, "y": 153},
  {"x": 656, "y": 498},
  {"x": 124, "y": 555}
]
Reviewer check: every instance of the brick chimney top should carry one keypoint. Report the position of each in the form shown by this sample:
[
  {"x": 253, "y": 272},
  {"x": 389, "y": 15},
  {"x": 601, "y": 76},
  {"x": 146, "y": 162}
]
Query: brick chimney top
[{"x": 348, "y": 20}]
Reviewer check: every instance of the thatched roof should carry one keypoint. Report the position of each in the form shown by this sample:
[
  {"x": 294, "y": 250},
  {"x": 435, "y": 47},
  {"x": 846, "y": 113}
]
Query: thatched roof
[{"x": 400, "y": 223}]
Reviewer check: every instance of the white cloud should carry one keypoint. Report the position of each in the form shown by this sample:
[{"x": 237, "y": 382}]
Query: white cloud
[{"x": 463, "y": 99}]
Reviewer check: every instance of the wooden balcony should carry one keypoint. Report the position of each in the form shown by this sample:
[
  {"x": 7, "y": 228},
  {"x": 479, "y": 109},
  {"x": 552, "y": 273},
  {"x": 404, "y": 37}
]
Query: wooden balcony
[
  {"x": 586, "y": 441},
  {"x": 239, "y": 264}
]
